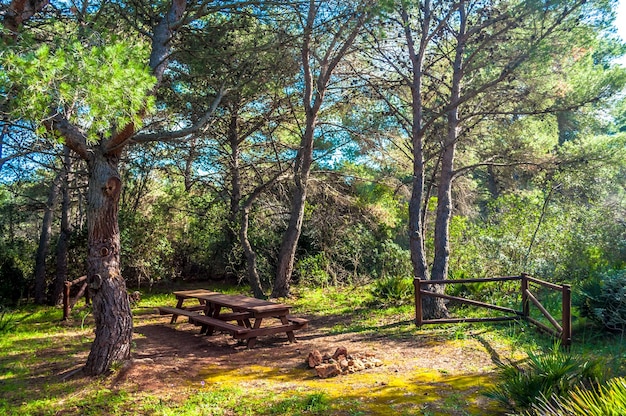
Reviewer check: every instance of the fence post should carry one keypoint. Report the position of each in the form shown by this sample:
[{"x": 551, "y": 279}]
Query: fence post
[
  {"x": 566, "y": 336},
  {"x": 418, "y": 301},
  {"x": 66, "y": 300},
  {"x": 525, "y": 302}
]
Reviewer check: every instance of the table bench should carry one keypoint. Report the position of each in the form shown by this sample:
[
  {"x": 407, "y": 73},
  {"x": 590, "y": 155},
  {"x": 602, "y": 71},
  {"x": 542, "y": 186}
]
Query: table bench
[
  {"x": 166, "y": 310},
  {"x": 209, "y": 324}
]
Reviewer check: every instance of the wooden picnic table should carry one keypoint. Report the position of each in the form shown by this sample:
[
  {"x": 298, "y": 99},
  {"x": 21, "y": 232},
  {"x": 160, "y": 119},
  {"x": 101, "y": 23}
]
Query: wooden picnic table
[
  {"x": 181, "y": 297},
  {"x": 251, "y": 315}
]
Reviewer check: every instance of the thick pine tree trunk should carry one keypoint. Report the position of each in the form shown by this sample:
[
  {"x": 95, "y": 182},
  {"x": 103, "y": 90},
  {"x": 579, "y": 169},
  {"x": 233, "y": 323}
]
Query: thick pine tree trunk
[{"x": 111, "y": 308}]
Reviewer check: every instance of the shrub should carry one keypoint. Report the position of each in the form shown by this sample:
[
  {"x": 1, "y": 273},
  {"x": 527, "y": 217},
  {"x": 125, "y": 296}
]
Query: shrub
[
  {"x": 604, "y": 300},
  {"x": 609, "y": 399},
  {"x": 553, "y": 374},
  {"x": 7, "y": 321},
  {"x": 313, "y": 271},
  {"x": 393, "y": 290},
  {"x": 13, "y": 283}
]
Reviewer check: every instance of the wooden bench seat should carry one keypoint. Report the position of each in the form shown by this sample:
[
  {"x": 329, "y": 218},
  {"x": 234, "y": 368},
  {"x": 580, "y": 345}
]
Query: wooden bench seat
[
  {"x": 166, "y": 310},
  {"x": 299, "y": 321},
  {"x": 234, "y": 316},
  {"x": 209, "y": 322}
]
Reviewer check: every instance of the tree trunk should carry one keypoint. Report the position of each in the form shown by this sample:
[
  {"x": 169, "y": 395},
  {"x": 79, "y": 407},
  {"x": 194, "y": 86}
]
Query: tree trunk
[
  {"x": 66, "y": 232},
  {"x": 444, "y": 213},
  {"x": 417, "y": 202},
  {"x": 44, "y": 242},
  {"x": 107, "y": 288},
  {"x": 235, "y": 180},
  {"x": 287, "y": 254},
  {"x": 253, "y": 274},
  {"x": 435, "y": 307}
]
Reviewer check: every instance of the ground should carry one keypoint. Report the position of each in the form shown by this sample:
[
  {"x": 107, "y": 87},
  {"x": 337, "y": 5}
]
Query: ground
[{"x": 423, "y": 373}]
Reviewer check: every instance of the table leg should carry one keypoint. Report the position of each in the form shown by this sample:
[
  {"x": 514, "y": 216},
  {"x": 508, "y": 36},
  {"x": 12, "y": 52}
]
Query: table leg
[
  {"x": 179, "y": 305},
  {"x": 290, "y": 335},
  {"x": 257, "y": 325},
  {"x": 213, "y": 311}
]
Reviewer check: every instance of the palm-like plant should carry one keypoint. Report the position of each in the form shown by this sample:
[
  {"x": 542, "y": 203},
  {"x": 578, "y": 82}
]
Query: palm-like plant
[
  {"x": 606, "y": 400},
  {"x": 552, "y": 374}
]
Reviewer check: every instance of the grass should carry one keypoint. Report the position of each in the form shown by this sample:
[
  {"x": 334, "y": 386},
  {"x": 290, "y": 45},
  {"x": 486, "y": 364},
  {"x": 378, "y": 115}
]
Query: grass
[{"x": 39, "y": 350}]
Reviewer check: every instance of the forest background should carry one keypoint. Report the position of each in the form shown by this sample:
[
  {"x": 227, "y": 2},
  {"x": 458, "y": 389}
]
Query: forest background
[{"x": 210, "y": 173}]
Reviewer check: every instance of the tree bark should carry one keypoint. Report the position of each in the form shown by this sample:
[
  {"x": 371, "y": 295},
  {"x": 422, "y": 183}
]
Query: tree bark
[
  {"x": 66, "y": 232},
  {"x": 44, "y": 242},
  {"x": 235, "y": 178},
  {"x": 253, "y": 274},
  {"x": 20, "y": 11},
  {"x": 107, "y": 288}
]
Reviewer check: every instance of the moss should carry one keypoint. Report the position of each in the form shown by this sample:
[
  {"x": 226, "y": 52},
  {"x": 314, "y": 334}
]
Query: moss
[{"x": 371, "y": 393}]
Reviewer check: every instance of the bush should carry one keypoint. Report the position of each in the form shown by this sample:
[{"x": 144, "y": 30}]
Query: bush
[
  {"x": 544, "y": 375},
  {"x": 393, "y": 290},
  {"x": 312, "y": 271},
  {"x": 598, "y": 401},
  {"x": 604, "y": 300},
  {"x": 7, "y": 321},
  {"x": 13, "y": 283}
]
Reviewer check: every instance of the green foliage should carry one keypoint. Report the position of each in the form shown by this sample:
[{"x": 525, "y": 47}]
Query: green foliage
[
  {"x": 313, "y": 271},
  {"x": 554, "y": 373},
  {"x": 8, "y": 321},
  {"x": 603, "y": 300},
  {"x": 97, "y": 87},
  {"x": 13, "y": 281},
  {"x": 393, "y": 290},
  {"x": 603, "y": 400}
]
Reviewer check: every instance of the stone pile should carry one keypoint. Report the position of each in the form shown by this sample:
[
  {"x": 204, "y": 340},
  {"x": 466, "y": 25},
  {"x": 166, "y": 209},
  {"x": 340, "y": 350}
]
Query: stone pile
[{"x": 340, "y": 362}]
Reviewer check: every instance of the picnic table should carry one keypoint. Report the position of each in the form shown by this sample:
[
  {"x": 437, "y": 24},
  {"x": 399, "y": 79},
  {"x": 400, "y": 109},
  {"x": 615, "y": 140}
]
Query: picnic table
[{"x": 253, "y": 317}]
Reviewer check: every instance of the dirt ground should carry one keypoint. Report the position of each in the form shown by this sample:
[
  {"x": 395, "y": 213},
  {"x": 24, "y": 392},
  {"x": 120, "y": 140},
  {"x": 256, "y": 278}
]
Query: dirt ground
[{"x": 168, "y": 356}]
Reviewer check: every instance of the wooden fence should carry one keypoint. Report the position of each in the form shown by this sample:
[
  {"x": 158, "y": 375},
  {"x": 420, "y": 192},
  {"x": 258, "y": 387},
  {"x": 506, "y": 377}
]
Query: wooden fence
[
  {"x": 68, "y": 302},
  {"x": 562, "y": 330}
]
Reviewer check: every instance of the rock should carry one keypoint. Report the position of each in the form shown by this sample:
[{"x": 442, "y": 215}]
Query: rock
[
  {"x": 358, "y": 365},
  {"x": 327, "y": 370},
  {"x": 339, "y": 352},
  {"x": 376, "y": 362},
  {"x": 314, "y": 359},
  {"x": 340, "y": 362}
]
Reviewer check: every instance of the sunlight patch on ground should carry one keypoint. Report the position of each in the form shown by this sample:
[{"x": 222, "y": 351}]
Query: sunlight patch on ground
[{"x": 373, "y": 393}]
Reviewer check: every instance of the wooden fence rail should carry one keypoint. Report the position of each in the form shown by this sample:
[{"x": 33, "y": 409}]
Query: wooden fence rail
[
  {"x": 561, "y": 330},
  {"x": 68, "y": 302}
]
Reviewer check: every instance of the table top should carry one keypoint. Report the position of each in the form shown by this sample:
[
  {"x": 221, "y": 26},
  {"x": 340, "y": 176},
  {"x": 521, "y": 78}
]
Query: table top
[
  {"x": 194, "y": 293},
  {"x": 242, "y": 302}
]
